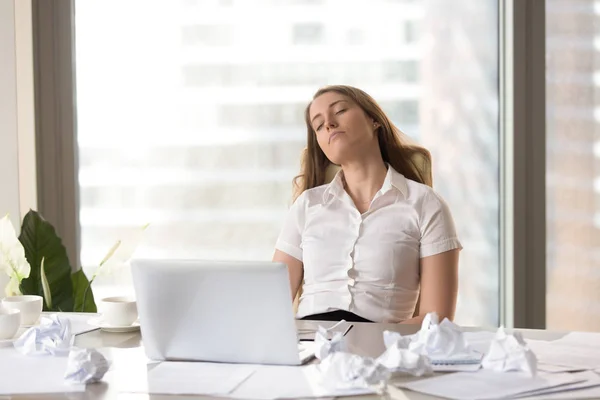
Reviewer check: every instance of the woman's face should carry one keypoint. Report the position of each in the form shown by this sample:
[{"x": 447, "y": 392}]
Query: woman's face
[{"x": 342, "y": 128}]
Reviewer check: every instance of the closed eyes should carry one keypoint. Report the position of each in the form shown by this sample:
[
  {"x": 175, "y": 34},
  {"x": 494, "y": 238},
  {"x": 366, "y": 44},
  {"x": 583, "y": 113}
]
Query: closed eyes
[{"x": 336, "y": 113}]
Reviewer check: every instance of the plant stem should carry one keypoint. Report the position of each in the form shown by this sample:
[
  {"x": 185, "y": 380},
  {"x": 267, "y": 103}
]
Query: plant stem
[{"x": 86, "y": 292}]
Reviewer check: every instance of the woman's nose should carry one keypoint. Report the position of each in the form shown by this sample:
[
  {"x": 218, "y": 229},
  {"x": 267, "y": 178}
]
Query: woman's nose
[{"x": 331, "y": 123}]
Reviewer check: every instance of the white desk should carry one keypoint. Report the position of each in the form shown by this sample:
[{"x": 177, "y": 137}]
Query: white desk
[{"x": 129, "y": 362}]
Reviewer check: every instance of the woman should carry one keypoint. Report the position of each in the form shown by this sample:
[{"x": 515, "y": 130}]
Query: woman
[{"x": 375, "y": 240}]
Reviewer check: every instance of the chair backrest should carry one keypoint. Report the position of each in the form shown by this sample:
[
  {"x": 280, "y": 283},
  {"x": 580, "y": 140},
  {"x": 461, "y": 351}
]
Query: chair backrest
[{"x": 423, "y": 166}]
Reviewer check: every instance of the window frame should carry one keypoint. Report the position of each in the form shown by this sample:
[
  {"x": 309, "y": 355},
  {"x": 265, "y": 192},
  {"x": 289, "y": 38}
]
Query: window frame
[{"x": 523, "y": 163}]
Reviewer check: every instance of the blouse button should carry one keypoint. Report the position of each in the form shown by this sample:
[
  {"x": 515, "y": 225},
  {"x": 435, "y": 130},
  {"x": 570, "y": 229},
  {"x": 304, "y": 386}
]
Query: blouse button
[{"x": 351, "y": 282}]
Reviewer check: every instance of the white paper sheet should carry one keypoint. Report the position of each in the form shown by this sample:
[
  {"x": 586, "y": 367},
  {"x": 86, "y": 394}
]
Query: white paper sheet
[
  {"x": 590, "y": 393},
  {"x": 590, "y": 380},
  {"x": 189, "y": 378},
  {"x": 585, "y": 339},
  {"x": 556, "y": 368},
  {"x": 22, "y": 374},
  {"x": 567, "y": 352},
  {"x": 486, "y": 384},
  {"x": 281, "y": 382},
  {"x": 79, "y": 322}
]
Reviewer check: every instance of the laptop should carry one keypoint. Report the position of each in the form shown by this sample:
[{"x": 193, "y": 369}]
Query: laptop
[{"x": 217, "y": 311}]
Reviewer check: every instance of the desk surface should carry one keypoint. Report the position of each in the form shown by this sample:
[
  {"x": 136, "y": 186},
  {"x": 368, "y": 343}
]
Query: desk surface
[{"x": 129, "y": 362}]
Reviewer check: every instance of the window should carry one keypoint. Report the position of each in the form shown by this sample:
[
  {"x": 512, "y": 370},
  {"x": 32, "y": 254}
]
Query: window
[
  {"x": 410, "y": 32},
  {"x": 308, "y": 34},
  {"x": 355, "y": 36},
  {"x": 191, "y": 119},
  {"x": 573, "y": 165},
  {"x": 207, "y": 35}
]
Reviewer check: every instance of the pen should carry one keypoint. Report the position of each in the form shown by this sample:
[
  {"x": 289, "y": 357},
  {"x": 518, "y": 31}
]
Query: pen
[{"x": 348, "y": 329}]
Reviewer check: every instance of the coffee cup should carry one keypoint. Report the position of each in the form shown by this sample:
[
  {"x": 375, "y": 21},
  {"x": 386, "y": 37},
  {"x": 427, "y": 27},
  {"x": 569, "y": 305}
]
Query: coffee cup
[
  {"x": 119, "y": 311},
  {"x": 30, "y": 306},
  {"x": 10, "y": 320}
]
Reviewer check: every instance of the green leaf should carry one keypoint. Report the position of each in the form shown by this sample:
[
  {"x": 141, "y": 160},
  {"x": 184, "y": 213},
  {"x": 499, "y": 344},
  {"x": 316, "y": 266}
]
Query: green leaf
[
  {"x": 40, "y": 240},
  {"x": 80, "y": 284},
  {"x": 45, "y": 286}
]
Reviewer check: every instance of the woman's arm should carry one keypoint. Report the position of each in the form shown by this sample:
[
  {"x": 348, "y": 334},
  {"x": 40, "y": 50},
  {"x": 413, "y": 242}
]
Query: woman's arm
[
  {"x": 439, "y": 286},
  {"x": 295, "y": 269}
]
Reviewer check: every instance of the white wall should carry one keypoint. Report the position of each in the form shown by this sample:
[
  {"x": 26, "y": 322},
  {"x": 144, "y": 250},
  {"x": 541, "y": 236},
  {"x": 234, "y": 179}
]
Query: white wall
[
  {"x": 9, "y": 144},
  {"x": 17, "y": 129}
]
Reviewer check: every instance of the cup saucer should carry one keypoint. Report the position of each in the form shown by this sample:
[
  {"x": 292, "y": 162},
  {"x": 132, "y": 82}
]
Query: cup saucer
[
  {"x": 9, "y": 342},
  {"x": 98, "y": 322}
]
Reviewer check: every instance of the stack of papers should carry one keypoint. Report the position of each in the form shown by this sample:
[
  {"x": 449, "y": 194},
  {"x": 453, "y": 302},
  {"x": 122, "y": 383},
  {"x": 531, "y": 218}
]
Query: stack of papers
[
  {"x": 489, "y": 385},
  {"x": 589, "y": 386},
  {"x": 575, "y": 351}
]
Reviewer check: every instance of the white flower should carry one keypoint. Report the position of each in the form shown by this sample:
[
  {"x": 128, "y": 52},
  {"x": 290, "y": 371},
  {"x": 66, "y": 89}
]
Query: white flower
[
  {"x": 120, "y": 253},
  {"x": 12, "y": 287},
  {"x": 12, "y": 257}
]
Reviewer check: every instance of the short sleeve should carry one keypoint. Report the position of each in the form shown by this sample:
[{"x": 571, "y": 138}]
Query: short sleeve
[
  {"x": 438, "y": 232},
  {"x": 290, "y": 237}
]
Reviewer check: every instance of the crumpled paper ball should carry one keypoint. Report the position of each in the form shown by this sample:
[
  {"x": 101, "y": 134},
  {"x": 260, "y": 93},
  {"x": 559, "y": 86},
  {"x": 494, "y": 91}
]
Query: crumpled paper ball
[
  {"x": 52, "y": 337},
  {"x": 325, "y": 346},
  {"x": 85, "y": 366},
  {"x": 397, "y": 358},
  {"x": 441, "y": 341},
  {"x": 510, "y": 353},
  {"x": 346, "y": 370}
]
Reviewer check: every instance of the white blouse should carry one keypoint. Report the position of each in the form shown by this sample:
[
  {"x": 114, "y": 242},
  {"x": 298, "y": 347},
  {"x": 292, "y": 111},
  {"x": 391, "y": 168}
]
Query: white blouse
[{"x": 367, "y": 263}]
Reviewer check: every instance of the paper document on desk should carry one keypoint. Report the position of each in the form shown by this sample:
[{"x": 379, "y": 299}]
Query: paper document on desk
[
  {"x": 79, "y": 322},
  {"x": 244, "y": 381},
  {"x": 183, "y": 378},
  {"x": 576, "y": 350},
  {"x": 283, "y": 382},
  {"x": 590, "y": 380},
  {"x": 487, "y": 385},
  {"x": 585, "y": 339},
  {"x": 21, "y": 374},
  {"x": 557, "y": 368}
]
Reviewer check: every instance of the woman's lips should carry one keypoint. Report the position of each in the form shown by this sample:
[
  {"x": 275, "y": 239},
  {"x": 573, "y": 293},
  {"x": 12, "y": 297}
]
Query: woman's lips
[{"x": 332, "y": 135}]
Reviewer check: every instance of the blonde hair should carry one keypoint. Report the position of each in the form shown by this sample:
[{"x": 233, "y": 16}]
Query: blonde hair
[{"x": 396, "y": 148}]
